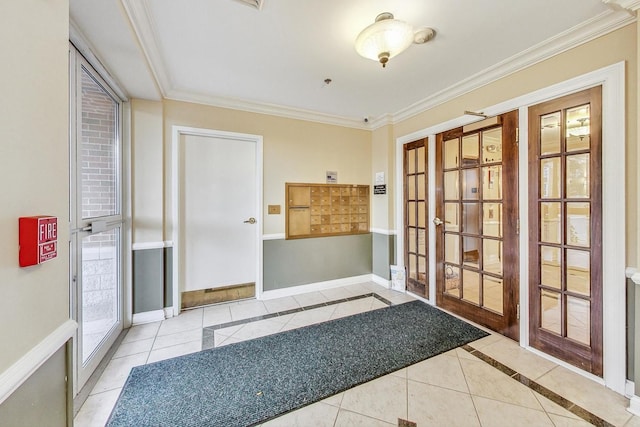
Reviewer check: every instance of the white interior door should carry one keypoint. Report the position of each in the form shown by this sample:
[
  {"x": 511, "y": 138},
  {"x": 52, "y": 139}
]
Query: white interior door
[{"x": 219, "y": 223}]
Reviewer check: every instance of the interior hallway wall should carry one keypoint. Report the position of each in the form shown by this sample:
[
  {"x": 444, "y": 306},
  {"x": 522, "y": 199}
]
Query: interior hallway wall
[{"x": 34, "y": 171}]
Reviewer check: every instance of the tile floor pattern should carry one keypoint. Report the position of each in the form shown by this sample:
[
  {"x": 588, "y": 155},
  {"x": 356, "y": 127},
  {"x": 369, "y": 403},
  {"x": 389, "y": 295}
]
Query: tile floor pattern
[{"x": 453, "y": 389}]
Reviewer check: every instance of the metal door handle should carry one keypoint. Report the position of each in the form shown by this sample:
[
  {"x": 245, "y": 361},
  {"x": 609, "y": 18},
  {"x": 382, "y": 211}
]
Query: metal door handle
[
  {"x": 437, "y": 221},
  {"x": 251, "y": 220}
]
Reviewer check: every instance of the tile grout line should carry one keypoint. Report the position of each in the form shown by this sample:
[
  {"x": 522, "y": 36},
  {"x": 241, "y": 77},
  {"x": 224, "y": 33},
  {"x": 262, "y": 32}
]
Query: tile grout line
[
  {"x": 209, "y": 341},
  {"x": 540, "y": 389}
]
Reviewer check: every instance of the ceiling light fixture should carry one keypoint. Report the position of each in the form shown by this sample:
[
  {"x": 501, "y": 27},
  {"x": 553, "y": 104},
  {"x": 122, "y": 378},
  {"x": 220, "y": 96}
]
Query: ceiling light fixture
[{"x": 388, "y": 37}]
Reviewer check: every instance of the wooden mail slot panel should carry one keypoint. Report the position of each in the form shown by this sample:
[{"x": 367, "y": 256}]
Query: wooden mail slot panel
[{"x": 315, "y": 210}]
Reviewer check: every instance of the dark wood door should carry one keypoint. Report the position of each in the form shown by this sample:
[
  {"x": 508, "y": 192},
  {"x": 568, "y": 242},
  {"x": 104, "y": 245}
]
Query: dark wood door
[
  {"x": 477, "y": 253},
  {"x": 415, "y": 217},
  {"x": 565, "y": 234}
]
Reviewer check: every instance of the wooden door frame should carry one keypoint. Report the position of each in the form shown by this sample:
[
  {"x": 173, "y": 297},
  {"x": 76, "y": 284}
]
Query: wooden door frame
[
  {"x": 612, "y": 79},
  {"x": 176, "y": 137},
  {"x": 588, "y": 356},
  {"x": 506, "y": 323}
]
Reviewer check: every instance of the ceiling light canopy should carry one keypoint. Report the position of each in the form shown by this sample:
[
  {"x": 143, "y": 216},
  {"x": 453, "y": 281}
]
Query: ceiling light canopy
[{"x": 388, "y": 37}]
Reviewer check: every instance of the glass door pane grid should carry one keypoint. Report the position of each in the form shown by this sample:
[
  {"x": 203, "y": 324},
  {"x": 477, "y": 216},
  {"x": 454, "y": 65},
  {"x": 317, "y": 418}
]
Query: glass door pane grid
[
  {"x": 556, "y": 296},
  {"x": 416, "y": 212},
  {"x": 456, "y": 269}
]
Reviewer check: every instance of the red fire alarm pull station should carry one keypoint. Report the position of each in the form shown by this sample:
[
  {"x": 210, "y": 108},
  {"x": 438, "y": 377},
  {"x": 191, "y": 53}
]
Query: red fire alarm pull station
[{"x": 38, "y": 239}]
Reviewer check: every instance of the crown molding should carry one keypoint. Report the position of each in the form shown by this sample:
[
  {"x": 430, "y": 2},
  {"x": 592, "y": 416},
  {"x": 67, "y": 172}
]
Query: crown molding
[
  {"x": 630, "y": 5},
  {"x": 265, "y": 108},
  {"x": 600, "y": 25},
  {"x": 606, "y": 22},
  {"x": 140, "y": 18}
]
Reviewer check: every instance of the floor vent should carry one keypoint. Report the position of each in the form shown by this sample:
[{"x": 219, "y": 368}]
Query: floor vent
[{"x": 257, "y": 4}]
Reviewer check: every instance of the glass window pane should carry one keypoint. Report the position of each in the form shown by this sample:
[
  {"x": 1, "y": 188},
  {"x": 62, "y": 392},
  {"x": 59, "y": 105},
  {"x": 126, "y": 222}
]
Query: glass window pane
[
  {"x": 578, "y": 272},
  {"x": 492, "y": 183},
  {"x": 411, "y": 161},
  {"x": 99, "y": 150},
  {"x": 492, "y": 256},
  {"x": 550, "y": 222},
  {"x": 470, "y": 149},
  {"x": 411, "y": 187},
  {"x": 471, "y": 218},
  {"x": 578, "y": 224},
  {"x": 411, "y": 239},
  {"x": 422, "y": 214},
  {"x": 550, "y": 178},
  {"x": 492, "y": 293},
  {"x": 451, "y": 185},
  {"x": 452, "y": 248},
  {"x": 100, "y": 299},
  {"x": 492, "y": 145},
  {"x": 421, "y": 159},
  {"x": 422, "y": 241},
  {"x": 411, "y": 213},
  {"x": 550, "y": 311},
  {"x": 578, "y": 128},
  {"x": 422, "y": 269},
  {"x": 413, "y": 267},
  {"x": 550, "y": 133},
  {"x": 421, "y": 186},
  {"x": 451, "y": 217},
  {"x": 550, "y": 263},
  {"x": 492, "y": 219},
  {"x": 470, "y": 183},
  {"x": 579, "y": 320},
  {"x": 471, "y": 286},
  {"x": 471, "y": 251},
  {"x": 452, "y": 280},
  {"x": 451, "y": 155},
  {"x": 578, "y": 176}
]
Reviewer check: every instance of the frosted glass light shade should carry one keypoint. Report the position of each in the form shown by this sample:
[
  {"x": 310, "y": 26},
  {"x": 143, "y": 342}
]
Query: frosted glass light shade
[{"x": 385, "y": 38}]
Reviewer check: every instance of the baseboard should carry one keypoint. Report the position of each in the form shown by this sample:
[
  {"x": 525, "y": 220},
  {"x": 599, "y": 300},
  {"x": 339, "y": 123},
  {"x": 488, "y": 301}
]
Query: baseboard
[
  {"x": 147, "y": 317},
  {"x": 634, "y": 405},
  {"x": 168, "y": 312},
  {"x": 20, "y": 371},
  {"x": 313, "y": 287},
  {"x": 381, "y": 281},
  {"x": 629, "y": 389}
]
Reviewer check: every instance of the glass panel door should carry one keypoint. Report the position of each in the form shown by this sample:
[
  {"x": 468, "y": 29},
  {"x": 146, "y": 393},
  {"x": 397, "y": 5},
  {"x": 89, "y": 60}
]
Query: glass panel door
[
  {"x": 95, "y": 217},
  {"x": 476, "y": 224},
  {"x": 565, "y": 234},
  {"x": 415, "y": 210}
]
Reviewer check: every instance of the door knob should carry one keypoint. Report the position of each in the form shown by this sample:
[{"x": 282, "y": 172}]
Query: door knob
[
  {"x": 437, "y": 221},
  {"x": 251, "y": 220}
]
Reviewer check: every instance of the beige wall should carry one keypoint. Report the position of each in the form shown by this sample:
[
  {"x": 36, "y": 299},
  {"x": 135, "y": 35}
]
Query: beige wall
[
  {"x": 34, "y": 167},
  {"x": 147, "y": 174},
  {"x": 294, "y": 150},
  {"x": 620, "y": 45},
  {"x": 383, "y": 149}
]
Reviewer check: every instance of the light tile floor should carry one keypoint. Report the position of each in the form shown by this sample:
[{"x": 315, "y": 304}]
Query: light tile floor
[{"x": 453, "y": 389}]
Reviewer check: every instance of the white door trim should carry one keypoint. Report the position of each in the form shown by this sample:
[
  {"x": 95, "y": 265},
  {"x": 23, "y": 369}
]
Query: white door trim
[
  {"x": 176, "y": 133},
  {"x": 612, "y": 79}
]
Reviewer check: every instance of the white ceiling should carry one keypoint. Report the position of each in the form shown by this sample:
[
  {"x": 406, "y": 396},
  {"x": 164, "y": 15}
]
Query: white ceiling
[{"x": 223, "y": 52}]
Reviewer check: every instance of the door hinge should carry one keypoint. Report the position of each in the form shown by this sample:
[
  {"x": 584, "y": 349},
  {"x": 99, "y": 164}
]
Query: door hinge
[
  {"x": 518, "y": 311},
  {"x": 517, "y": 135},
  {"x": 518, "y": 227}
]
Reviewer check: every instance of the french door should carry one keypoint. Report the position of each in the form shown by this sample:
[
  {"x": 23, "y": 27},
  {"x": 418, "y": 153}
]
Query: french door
[
  {"x": 476, "y": 222},
  {"x": 95, "y": 213},
  {"x": 565, "y": 235},
  {"x": 415, "y": 217}
]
